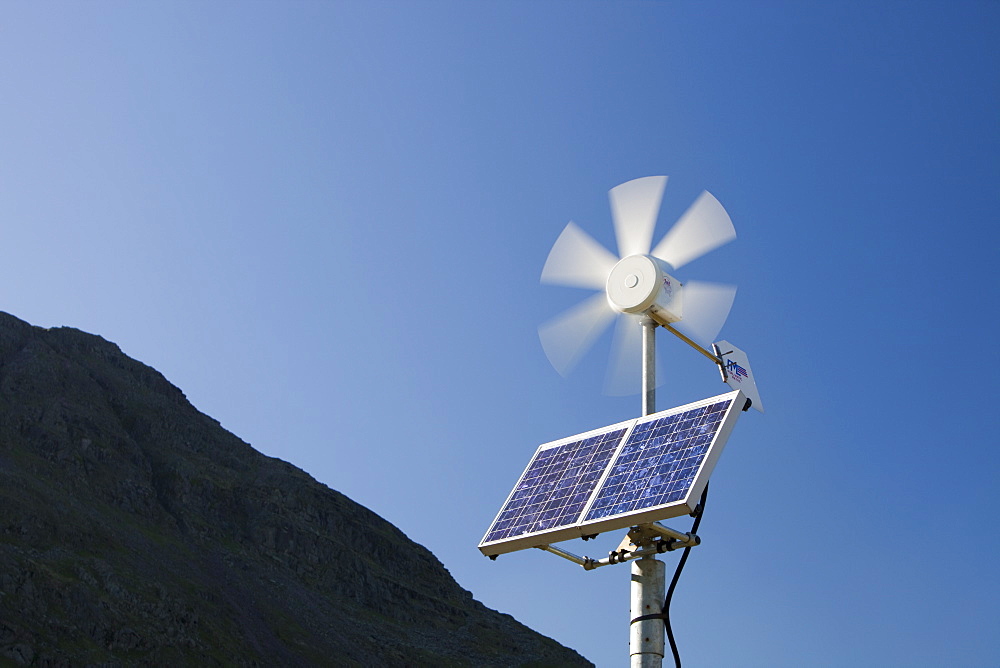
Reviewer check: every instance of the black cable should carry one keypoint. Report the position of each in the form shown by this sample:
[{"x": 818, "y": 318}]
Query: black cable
[{"x": 677, "y": 575}]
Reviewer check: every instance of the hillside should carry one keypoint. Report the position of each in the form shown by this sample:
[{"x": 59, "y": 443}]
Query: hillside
[{"x": 135, "y": 530}]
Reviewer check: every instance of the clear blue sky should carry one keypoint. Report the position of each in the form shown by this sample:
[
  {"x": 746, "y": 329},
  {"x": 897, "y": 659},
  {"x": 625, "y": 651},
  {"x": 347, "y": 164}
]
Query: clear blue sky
[{"x": 325, "y": 222}]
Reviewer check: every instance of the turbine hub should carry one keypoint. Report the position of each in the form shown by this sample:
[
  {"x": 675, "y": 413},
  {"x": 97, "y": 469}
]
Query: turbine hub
[
  {"x": 641, "y": 284},
  {"x": 634, "y": 283}
]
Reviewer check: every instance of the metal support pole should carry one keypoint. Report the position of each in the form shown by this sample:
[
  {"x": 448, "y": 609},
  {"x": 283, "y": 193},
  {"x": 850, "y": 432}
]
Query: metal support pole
[
  {"x": 645, "y": 641},
  {"x": 648, "y": 366},
  {"x": 646, "y": 635}
]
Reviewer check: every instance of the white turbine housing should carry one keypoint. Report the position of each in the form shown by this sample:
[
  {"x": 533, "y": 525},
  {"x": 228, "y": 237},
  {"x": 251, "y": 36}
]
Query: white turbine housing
[{"x": 642, "y": 284}]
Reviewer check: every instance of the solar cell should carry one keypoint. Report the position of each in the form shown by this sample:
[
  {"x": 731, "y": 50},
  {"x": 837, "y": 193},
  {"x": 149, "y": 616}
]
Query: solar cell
[{"x": 638, "y": 471}]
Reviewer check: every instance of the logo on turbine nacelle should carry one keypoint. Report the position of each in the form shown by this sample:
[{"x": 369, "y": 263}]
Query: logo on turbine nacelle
[{"x": 668, "y": 289}]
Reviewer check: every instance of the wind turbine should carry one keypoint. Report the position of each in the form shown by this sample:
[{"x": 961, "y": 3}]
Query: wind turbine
[
  {"x": 638, "y": 286},
  {"x": 571, "y": 487}
]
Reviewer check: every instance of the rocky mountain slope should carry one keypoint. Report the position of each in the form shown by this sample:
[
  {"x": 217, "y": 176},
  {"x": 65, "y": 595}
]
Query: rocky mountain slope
[{"x": 134, "y": 530}]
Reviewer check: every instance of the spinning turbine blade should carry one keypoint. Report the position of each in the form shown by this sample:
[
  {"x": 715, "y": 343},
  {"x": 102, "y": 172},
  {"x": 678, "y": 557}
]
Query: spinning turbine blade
[
  {"x": 703, "y": 227},
  {"x": 634, "y": 206},
  {"x": 567, "y": 337},
  {"x": 578, "y": 261},
  {"x": 706, "y": 307},
  {"x": 624, "y": 375}
]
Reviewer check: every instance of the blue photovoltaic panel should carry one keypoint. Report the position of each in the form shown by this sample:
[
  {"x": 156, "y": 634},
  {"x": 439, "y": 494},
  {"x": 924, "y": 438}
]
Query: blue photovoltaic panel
[
  {"x": 643, "y": 470},
  {"x": 659, "y": 462},
  {"x": 555, "y": 487}
]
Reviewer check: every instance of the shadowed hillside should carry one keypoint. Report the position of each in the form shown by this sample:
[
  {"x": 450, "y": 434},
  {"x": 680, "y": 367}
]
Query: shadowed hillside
[{"x": 136, "y": 530}]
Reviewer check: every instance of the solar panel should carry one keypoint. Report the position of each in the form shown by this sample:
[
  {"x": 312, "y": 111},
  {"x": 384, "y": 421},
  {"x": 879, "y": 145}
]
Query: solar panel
[
  {"x": 555, "y": 488},
  {"x": 638, "y": 471},
  {"x": 662, "y": 467}
]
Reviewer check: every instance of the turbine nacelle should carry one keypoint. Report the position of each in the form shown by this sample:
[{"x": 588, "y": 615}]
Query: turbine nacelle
[{"x": 642, "y": 284}]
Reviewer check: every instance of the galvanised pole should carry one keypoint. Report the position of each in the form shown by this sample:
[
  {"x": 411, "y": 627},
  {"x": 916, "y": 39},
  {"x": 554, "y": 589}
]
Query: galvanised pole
[{"x": 648, "y": 574}]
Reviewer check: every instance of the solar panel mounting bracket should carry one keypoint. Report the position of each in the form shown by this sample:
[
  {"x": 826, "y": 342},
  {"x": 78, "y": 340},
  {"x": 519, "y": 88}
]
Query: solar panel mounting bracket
[
  {"x": 678, "y": 539},
  {"x": 653, "y": 534},
  {"x": 565, "y": 554},
  {"x": 641, "y": 541},
  {"x": 654, "y": 547}
]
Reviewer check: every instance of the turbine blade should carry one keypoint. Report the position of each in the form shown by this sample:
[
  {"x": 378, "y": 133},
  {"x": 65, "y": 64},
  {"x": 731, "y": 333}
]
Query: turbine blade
[
  {"x": 624, "y": 374},
  {"x": 703, "y": 227},
  {"x": 634, "y": 207},
  {"x": 578, "y": 261},
  {"x": 706, "y": 307},
  {"x": 569, "y": 335}
]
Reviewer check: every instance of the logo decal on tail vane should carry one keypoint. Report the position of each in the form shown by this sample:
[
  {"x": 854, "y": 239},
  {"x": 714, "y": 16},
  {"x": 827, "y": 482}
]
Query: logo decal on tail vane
[{"x": 735, "y": 371}]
